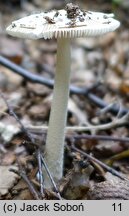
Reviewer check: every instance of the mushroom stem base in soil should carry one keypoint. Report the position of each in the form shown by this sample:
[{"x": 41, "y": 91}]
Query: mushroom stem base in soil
[{"x": 58, "y": 115}]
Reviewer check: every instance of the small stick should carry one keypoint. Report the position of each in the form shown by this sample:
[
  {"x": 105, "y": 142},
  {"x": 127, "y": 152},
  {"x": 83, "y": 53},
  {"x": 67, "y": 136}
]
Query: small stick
[
  {"x": 106, "y": 109},
  {"x": 41, "y": 179},
  {"x": 91, "y": 158},
  {"x": 100, "y": 137},
  {"x": 50, "y": 176},
  {"x": 22, "y": 173},
  {"x": 43, "y": 129},
  {"x": 11, "y": 112},
  {"x": 117, "y": 122}
]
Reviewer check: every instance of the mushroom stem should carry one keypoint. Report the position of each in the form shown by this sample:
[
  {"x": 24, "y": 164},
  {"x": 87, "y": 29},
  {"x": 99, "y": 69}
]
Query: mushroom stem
[{"x": 58, "y": 115}]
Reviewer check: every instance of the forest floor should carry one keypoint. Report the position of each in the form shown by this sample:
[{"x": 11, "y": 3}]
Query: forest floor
[{"x": 100, "y": 65}]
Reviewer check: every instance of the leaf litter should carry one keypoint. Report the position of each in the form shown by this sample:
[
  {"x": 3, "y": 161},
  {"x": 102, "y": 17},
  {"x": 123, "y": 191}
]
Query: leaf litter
[{"x": 102, "y": 59}]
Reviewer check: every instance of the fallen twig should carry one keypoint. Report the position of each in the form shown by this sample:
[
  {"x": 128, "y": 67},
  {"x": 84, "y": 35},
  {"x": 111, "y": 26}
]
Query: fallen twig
[
  {"x": 100, "y": 137},
  {"x": 117, "y": 122},
  {"x": 12, "y": 113},
  {"x": 21, "y": 172},
  {"x": 42, "y": 129},
  {"x": 29, "y": 135},
  {"x": 91, "y": 158},
  {"x": 41, "y": 179},
  {"x": 50, "y": 176}
]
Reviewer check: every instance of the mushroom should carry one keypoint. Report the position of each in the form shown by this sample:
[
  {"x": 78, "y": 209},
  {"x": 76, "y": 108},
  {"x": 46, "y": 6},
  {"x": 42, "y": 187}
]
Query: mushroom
[{"x": 63, "y": 25}]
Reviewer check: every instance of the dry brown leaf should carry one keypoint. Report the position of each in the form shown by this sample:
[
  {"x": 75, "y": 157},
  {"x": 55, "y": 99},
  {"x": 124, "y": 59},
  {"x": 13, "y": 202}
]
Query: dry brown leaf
[
  {"x": 9, "y": 158},
  {"x": 21, "y": 191},
  {"x": 7, "y": 179}
]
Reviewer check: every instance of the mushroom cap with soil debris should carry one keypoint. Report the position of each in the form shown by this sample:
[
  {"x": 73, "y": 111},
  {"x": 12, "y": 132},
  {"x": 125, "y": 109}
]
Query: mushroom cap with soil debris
[{"x": 70, "y": 22}]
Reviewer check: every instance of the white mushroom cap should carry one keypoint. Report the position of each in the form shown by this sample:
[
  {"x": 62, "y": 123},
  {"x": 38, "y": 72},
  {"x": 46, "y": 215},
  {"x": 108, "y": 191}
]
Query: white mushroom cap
[{"x": 57, "y": 24}]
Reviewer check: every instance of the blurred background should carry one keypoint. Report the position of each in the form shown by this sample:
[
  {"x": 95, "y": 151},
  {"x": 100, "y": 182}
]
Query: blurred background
[{"x": 104, "y": 58}]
